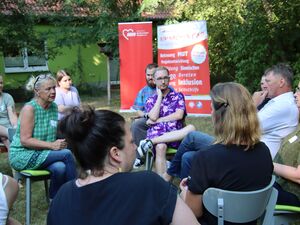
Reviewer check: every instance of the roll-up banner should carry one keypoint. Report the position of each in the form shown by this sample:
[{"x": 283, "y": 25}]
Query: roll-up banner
[
  {"x": 135, "y": 46},
  {"x": 183, "y": 49}
]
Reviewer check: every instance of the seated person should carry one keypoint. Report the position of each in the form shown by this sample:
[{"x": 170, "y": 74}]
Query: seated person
[
  {"x": 181, "y": 162},
  {"x": 106, "y": 192},
  {"x": 278, "y": 118},
  {"x": 166, "y": 112},
  {"x": 238, "y": 160},
  {"x": 8, "y": 115},
  {"x": 35, "y": 145},
  {"x": 139, "y": 127},
  {"x": 264, "y": 92},
  {"x": 287, "y": 166},
  {"x": 66, "y": 94},
  {"x": 168, "y": 137},
  {"x": 8, "y": 194}
]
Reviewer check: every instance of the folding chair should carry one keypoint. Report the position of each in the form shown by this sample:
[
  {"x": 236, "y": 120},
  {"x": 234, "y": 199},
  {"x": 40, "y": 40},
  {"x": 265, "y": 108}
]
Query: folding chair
[
  {"x": 30, "y": 176},
  {"x": 242, "y": 207},
  {"x": 286, "y": 214}
]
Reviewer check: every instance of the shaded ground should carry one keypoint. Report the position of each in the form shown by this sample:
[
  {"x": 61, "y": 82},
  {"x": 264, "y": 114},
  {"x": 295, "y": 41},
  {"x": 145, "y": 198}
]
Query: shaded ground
[{"x": 39, "y": 206}]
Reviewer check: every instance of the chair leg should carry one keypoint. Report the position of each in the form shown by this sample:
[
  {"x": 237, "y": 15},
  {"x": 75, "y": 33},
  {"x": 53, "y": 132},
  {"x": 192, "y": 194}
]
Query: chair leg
[
  {"x": 28, "y": 200},
  {"x": 16, "y": 175},
  {"x": 46, "y": 191},
  {"x": 149, "y": 161}
]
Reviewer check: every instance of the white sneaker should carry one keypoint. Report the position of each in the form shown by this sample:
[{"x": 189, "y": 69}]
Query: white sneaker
[
  {"x": 144, "y": 147},
  {"x": 137, "y": 163}
]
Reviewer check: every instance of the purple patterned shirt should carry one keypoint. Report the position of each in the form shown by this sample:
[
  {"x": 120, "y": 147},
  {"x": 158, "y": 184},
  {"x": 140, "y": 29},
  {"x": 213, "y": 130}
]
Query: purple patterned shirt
[{"x": 170, "y": 103}]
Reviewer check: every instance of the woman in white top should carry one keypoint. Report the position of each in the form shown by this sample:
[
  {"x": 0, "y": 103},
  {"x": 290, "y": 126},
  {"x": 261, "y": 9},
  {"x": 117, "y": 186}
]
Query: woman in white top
[
  {"x": 8, "y": 194},
  {"x": 66, "y": 95},
  {"x": 8, "y": 115}
]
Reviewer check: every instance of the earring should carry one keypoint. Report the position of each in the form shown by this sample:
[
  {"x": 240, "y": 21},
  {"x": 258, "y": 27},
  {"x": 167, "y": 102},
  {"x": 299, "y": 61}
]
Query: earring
[{"x": 120, "y": 170}]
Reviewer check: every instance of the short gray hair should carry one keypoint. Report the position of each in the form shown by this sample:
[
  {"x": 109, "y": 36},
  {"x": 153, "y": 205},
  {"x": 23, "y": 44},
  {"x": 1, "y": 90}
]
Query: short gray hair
[
  {"x": 283, "y": 70},
  {"x": 34, "y": 83}
]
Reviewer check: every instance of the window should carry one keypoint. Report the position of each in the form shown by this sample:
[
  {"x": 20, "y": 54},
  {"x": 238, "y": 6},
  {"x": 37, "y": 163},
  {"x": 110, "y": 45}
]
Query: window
[{"x": 26, "y": 59}]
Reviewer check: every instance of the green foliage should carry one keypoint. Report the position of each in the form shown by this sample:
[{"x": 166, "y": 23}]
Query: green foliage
[
  {"x": 16, "y": 29},
  {"x": 101, "y": 26},
  {"x": 269, "y": 35},
  {"x": 245, "y": 36},
  {"x": 221, "y": 16}
]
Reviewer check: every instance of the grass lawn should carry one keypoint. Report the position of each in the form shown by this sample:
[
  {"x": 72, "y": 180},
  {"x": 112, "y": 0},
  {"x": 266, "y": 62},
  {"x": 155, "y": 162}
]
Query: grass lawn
[{"x": 39, "y": 206}]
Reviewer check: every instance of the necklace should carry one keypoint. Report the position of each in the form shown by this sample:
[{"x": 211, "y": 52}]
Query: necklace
[{"x": 90, "y": 179}]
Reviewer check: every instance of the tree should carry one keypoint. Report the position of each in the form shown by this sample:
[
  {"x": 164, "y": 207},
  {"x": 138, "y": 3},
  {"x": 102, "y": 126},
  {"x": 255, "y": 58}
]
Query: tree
[
  {"x": 270, "y": 34},
  {"x": 221, "y": 17},
  {"x": 16, "y": 26}
]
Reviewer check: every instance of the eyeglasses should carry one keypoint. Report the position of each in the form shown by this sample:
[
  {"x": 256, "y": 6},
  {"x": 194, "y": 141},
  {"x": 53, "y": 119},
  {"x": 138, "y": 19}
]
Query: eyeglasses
[
  {"x": 40, "y": 77},
  {"x": 297, "y": 90},
  {"x": 160, "y": 79}
]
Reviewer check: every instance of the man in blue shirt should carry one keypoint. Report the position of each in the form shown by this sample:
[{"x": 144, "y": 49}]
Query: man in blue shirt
[{"x": 139, "y": 127}]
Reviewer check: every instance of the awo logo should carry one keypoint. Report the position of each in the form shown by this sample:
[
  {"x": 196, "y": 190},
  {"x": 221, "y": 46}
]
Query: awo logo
[{"x": 127, "y": 33}]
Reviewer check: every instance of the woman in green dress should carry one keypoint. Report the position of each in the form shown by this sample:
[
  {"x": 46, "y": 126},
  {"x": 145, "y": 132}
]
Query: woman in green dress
[{"x": 34, "y": 145}]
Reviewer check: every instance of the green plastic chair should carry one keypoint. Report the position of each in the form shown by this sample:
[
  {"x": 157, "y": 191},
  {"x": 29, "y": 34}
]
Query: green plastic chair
[
  {"x": 31, "y": 176},
  {"x": 286, "y": 214},
  {"x": 242, "y": 207},
  {"x": 150, "y": 158}
]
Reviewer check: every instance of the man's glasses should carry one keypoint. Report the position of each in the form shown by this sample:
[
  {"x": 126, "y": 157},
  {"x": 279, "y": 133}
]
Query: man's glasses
[{"x": 160, "y": 79}]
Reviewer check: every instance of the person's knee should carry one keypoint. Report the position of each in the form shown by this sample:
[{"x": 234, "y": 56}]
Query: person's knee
[
  {"x": 199, "y": 139},
  {"x": 187, "y": 158},
  {"x": 67, "y": 154},
  {"x": 57, "y": 169},
  {"x": 190, "y": 136},
  {"x": 138, "y": 123}
]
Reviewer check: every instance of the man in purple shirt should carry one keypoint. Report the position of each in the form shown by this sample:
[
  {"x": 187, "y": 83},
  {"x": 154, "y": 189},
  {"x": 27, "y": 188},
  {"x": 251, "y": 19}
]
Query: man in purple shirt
[
  {"x": 166, "y": 111},
  {"x": 139, "y": 126}
]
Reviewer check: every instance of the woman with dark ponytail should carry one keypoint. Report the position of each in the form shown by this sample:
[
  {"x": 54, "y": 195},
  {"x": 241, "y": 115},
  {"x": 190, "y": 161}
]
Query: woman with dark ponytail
[{"x": 106, "y": 192}]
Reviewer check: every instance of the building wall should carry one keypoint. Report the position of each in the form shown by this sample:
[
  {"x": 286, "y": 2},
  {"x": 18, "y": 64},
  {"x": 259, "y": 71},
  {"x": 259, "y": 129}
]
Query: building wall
[{"x": 85, "y": 64}]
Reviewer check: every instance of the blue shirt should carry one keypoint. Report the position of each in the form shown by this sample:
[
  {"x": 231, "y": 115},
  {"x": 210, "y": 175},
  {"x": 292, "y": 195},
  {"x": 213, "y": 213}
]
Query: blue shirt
[{"x": 142, "y": 96}]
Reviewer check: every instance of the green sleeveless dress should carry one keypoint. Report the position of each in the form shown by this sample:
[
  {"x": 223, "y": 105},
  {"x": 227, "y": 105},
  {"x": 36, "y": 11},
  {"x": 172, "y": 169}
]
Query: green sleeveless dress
[{"x": 45, "y": 128}]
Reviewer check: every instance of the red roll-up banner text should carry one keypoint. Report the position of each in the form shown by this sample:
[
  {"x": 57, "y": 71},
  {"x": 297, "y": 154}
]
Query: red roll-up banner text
[
  {"x": 135, "y": 46},
  {"x": 183, "y": 49}
]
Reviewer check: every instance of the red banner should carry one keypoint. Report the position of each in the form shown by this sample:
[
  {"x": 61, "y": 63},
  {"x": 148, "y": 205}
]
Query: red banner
[
  {"x": 183, "y": 49},
  {"x": 135, "y": 46}
]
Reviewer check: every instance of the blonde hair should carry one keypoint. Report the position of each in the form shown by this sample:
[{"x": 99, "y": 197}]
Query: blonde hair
[
  {"x": 234, "y": 117},
  {"x": 60, "y": 74},
  {"x": 161, "y": 68},
  {"x": 34, "y": 83}
]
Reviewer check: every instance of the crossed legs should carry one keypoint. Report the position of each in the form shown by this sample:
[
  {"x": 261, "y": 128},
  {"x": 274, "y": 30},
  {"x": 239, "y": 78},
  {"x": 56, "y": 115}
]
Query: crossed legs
[
  {"x": 62, "y": 166},
  {"x": 161, "y": 146}
]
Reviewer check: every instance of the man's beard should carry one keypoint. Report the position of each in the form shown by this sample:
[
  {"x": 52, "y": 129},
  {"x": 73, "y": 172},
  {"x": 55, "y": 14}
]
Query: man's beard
[{"x": 151, "y": 84}]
